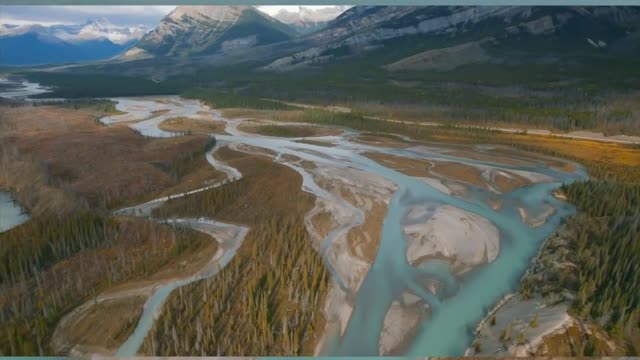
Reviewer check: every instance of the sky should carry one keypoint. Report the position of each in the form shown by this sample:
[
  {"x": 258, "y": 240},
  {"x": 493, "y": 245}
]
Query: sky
[{"x": 148, "y": 16}]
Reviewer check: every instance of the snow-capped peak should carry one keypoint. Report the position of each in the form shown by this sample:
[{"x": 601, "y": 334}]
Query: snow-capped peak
[
  {"x": 310, "y": 15},
  {"x": 216, "y": 13},
  {"x": 90, "y": 30},
  {"x": 102, "y": 28},
  {"x": 15, "y": 30}
]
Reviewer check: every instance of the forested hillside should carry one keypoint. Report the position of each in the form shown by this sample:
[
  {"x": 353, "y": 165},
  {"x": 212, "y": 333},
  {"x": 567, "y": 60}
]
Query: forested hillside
[
  {"x": 607, "y": 255},
  {"x": 269, "y": 298},
  {"x": 72, "y": 249}
]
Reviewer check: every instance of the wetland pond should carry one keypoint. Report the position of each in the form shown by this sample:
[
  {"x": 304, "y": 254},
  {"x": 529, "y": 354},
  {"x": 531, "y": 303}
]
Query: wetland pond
[{"x": 11, "y": 213}]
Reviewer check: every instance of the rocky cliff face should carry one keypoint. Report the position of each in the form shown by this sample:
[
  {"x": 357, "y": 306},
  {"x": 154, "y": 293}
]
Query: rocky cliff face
[
  {"x": 307, "y": 20},
  {"x": 365, "y": 28},
  {"x": 396, "y": 38},
  {"x": 195, "y": 30}
]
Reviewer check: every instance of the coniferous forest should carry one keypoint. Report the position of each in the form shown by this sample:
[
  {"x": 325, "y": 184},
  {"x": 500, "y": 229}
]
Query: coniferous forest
[
  {"x": 50, "y": 265},
  {"x": 268, "y": 300},
  {"x": 607, "y": 254},
  {"x": 601, "y": 245}
]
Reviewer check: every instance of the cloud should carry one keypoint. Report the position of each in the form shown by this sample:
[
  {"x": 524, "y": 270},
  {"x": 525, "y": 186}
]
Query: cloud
[
  {"x": 128, "y": 15},
  {"x": 273, "y": 9},
  {"x": 119, "y": 15}
]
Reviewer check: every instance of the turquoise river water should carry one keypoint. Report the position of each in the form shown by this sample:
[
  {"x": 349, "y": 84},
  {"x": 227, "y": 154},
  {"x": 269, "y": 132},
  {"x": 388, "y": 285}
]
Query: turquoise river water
[{"x": 463, "y": 300}]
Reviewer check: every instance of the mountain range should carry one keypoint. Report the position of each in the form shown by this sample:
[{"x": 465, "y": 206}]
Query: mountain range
[
  {"x": 198, "y": 30},
  {"x": 393, "y": 38},
  {"x": 444, "y": 37},
  {"x": 92, "y": 40},
  {"x": 307, "y": 20}
]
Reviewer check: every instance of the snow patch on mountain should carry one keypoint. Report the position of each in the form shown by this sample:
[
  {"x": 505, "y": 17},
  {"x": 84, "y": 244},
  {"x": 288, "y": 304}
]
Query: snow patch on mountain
[
  {"x": 91, "y": 30},
  {"x": 307, "y": 19}
]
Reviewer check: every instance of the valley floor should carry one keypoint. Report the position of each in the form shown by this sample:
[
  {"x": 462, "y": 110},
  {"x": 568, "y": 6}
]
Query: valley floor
[{"x": 325, "y": 240}]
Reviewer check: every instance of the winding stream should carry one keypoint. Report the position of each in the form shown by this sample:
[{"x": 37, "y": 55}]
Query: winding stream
[
  {"x": 463, "y": 299},
  {"x": 11, "y": 214},
  {"x": 447, "y": 332},
  {"x": 18, "y": 88}
]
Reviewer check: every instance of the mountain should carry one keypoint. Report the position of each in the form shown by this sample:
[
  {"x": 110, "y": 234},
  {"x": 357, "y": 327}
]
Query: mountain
[
  {"x": 99, "y": 29},
  {"x": 382, "y": 39},
  {"x": 198, "y": 30},
  {"x": 307, "y": 20},
  {"x": 37, "y": 45},
  {"x": 436, "y": 36}
]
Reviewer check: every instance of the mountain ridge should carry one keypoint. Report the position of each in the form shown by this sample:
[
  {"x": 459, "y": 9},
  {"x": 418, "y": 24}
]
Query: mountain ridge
[
  {"x": 92, "y": 40},
  {"x": 193, "y": 30},
  {"x": 362, "y": 30},
  {"x": 375, "y": 37},
  {"x": 307, "y": 20}
]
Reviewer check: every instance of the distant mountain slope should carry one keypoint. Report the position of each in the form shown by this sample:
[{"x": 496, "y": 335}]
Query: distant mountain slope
[
  {"x": 36, "y": 44},
  {"x": 307, "y": 20},
  {"x": 38, "y": 49},
  {"x": 197, "y": 30},
  {"x": 517, "y": 33},
  {"x": 383, "y": 38},
  {"x": 98, "y": 29}
]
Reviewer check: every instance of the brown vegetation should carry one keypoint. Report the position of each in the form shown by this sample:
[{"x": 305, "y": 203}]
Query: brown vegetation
[
  {"x": 246, "y": 201},
  {"x": 506, "y": 184},
  {"x": 364, "y": 240},
  {"x": 317, "y": 143},
  {"x": 268, "y": 299},
  {"x": 67, "y": 149},
  {"x": 281, "y": 115},
  {"x": 458, "y": 171},
  {"x": 444, "y": 169},
  {"x": 117, "y": 319},
  {"x": 123, "y": 250},
  {"x": 407, "y": 166},
  {"x": 384, "y": 140},
  {"x": 195, "y": 126},
  {"x": 288, "y": 130},
  {"x": 66, "y": 169}
]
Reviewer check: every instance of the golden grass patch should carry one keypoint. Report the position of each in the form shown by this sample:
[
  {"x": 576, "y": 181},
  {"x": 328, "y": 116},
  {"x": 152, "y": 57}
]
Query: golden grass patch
[
  {"x": 117, "y": 319},
  {"x": 197, "y": 126},
  {"x": 289, "y": 130}
]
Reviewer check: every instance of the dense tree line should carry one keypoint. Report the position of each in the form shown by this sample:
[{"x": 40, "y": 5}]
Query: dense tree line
[
  {"x": 209, "y": 203},
  {"x": 99, "y": 105},
  {"x": 222, "y": 99},
  {"x": 607, "y": 254},
  {"x": 593, "y": 262},
  {"x": 51, "y": 265},
  {"x": 185, "y": 162},
  {"x": 570, "y": 97},
  {"x": 71, "y": 250},
  {"x": 32, "y": 248},
  {"x": 266, "y": 301}
]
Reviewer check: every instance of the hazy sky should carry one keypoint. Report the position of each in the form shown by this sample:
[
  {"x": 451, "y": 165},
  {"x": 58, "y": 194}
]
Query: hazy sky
[{"x": 119, "y": 15}]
